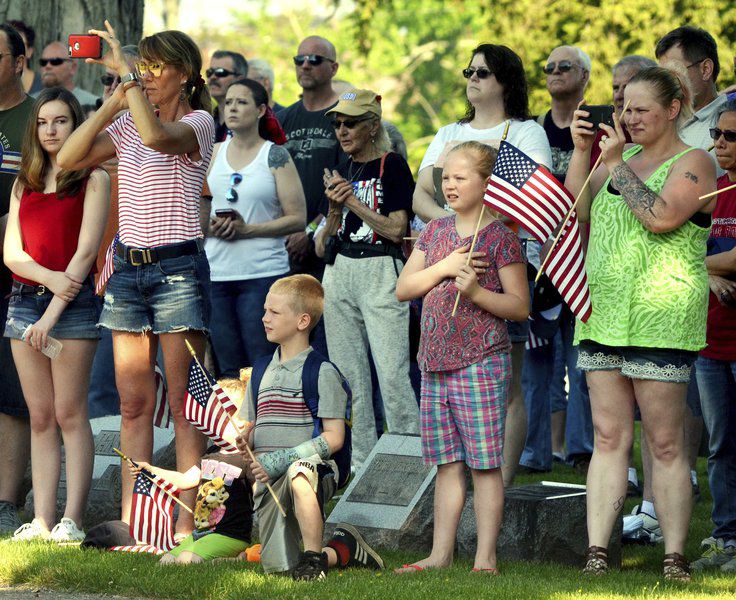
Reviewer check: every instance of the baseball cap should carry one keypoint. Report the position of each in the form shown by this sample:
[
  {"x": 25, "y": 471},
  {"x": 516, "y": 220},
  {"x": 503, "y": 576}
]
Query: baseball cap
[{"x": 356, "y": 103}]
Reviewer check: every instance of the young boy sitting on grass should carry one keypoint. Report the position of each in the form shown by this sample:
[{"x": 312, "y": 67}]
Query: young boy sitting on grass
[{"x": 297, "y": 465}]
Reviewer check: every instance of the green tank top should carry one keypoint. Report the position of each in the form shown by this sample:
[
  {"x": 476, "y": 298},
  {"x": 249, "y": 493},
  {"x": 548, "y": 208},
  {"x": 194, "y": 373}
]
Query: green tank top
[{"x": 647, "y": 289}]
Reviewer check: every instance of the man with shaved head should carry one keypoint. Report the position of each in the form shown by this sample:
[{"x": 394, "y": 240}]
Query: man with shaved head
[{"x": 57, "y": 69}]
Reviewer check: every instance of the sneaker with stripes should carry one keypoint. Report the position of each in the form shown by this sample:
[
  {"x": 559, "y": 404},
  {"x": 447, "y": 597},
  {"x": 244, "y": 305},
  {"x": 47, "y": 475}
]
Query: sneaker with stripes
[{"x": 352, "y": 550}]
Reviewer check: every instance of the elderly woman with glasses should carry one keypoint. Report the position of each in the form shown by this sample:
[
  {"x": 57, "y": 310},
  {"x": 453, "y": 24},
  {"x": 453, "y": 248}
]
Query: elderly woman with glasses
[
  {"x": 369, "y": 206},
  {"x": 257, "y": 200},
  {"x": 159, "y": 292}
]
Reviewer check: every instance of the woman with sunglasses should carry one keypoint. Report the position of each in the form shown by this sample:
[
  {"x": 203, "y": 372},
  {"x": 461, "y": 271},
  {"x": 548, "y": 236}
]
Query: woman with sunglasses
[
  {"x": 648, "y": 286},
  {"x": 369, "y": 198},
  {"x": 257, "y": 200},
  {"x": 159, "y": 292},
  {"x": 55, "y": 224}
]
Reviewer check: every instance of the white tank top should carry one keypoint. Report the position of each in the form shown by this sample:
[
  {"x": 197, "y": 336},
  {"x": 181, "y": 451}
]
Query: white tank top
[{"x": 257, "y": 203}]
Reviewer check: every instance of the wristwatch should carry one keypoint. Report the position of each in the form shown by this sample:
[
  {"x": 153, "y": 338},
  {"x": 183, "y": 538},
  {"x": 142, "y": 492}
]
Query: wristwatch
[{"x": 129, "y": 80}]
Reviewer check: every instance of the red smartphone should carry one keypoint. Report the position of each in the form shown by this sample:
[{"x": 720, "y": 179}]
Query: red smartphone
[
  {"x": 85, "y": 46},
  {"x": 225, "y": 212}
]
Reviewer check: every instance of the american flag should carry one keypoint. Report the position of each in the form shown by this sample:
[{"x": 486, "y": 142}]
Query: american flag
[
  {"x": 142, "y": 548},
  {"x": 530, "y": 195},
  {"x": 9, "y": 161},
  {"x": 108, "y": 268},
  {"x": 162, "y": 411},
  {"x": 207, "y": 406},
  {"x": 152, "y": 511}
]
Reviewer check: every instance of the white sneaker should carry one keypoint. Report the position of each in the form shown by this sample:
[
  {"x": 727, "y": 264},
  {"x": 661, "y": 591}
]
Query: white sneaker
[
  {"x": 641, "y": 528},
  {"x": 66, "y": 530},
  {"x": 31, "y": 531}
]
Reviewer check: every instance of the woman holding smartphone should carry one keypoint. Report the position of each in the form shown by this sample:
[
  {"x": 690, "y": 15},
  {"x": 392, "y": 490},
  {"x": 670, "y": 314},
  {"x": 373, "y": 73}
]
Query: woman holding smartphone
[
  {"x": 55, "y": 224},
  {"x": 257, "y": 200}
]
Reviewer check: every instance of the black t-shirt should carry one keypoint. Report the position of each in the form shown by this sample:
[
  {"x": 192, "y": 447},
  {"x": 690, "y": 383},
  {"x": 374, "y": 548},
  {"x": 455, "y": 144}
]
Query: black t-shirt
[
  {"x": 224, "y": 498},
  {"x": 560, "y": 142},
  {"x": 391, "y": 192},
  {"x": 311, "y": 141}
]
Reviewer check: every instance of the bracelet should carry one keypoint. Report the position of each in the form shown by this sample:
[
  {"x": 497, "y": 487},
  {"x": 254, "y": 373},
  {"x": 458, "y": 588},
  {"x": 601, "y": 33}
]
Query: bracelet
[{"x": 130, "y": 84}]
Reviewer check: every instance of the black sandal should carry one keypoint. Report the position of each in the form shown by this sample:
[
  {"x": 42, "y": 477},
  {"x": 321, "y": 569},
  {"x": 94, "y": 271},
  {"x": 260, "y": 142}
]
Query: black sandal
[
  {"x": 596, "y": 561},
  {"x": 676, "y": 567}
]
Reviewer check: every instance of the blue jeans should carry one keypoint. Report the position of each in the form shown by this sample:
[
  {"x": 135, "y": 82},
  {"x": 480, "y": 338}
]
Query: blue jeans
[
  {"x": 717, "y": 385},
  {"x": 236, "y": 329},
  {"x": 537, "y": 373},
  {"x": 103, "y": 396}
]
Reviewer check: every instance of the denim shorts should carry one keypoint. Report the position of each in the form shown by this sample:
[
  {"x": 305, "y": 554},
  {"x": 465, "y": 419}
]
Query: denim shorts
[
  {"x": 78, "y": 321},
  {"x": 167, "y": 296},
  {"x": 657, "y": 364},
  {"x": 12, "y": 401}
]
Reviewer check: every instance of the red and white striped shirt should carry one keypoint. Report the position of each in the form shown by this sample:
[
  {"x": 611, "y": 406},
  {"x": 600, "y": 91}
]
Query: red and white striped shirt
[{"x": 159, "y": 193}]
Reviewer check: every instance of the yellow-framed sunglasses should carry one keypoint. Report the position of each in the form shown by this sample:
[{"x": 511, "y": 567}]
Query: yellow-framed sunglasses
[{"x": 153, "y": 68}]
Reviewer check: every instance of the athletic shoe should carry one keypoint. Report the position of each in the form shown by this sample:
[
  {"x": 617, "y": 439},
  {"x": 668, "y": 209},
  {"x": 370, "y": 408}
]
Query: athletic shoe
[
  {"x": 641, "y": 528},
  {"x": 559, "y": 457},
  {"x": 66, "y": 530},
  {"x": 31, "y": 531},
  {"x": 311, "y": 566},
  {"x": 352, "y": 550},
  {"x": 730, "y": 566},
  {"x": 633, "y": 490},
  {"x": 715, "y": 555},
  {"x": 9, "y": 519}
]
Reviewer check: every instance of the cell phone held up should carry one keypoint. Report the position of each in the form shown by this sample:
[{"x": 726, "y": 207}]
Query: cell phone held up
[
  {"x": 225, "y": 212},
  {"x": 85, "y": 46},
  {"x": 599, "y": 113}
]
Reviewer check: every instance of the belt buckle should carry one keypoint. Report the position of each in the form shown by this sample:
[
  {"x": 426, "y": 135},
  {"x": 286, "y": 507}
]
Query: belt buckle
[
  {"x": 40, "y": 290},
  {"x": 145, "y": 256}
]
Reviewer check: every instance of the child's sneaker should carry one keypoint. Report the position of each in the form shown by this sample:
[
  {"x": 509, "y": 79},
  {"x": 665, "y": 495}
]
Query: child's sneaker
[
  {"x": 66, "y": 530},
  {"x": 715, "y": 555},
  {"x": 31, "y": 531},
  {"x": 311, "y": 565},
  {"x": 352, "y": 550}
]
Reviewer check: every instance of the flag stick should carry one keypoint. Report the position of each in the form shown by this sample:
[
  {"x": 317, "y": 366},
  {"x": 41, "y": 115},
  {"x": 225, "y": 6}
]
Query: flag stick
[
  {"x": 239, "y": 431},
  {"x": 165, "y": 491},
  {"x": 730, "y": 187},
  {"x": 572, "y": 208},
  {"x": 470, "y": 252}
]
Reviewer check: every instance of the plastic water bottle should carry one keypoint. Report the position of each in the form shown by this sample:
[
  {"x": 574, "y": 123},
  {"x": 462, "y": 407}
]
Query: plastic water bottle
[{"x": 52, "y": 347}]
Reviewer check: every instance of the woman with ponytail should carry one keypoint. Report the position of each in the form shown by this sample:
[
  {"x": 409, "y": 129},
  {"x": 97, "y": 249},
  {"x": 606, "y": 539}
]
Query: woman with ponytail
[
  {"x": 257, "y": 200},
  {"x": 649, "y": 290},
  {"x": 159, "y": 292}
]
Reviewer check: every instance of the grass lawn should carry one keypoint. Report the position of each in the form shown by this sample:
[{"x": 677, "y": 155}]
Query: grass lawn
[{"x": 41, "y": 565}]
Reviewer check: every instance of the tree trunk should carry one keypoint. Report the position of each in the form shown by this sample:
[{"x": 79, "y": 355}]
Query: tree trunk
[{"x": 56, "y": 19}]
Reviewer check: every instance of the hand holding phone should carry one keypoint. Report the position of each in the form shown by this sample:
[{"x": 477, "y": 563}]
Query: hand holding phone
[
  {"x": 226, "y": 212},
  {"x": 85, "y": 46},
  {"x": 599, "y": 113}
]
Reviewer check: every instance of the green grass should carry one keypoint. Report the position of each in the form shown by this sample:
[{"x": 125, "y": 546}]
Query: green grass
[{"x": 41, "y": 565}]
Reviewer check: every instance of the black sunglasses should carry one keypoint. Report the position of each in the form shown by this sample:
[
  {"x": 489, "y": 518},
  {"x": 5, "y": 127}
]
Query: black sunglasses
[
  {"x": 314, "y": 59},
  {"x": 108, "y": 80},
  {"x": 53, "y": 61},
  {"x": 232, "y": 195},
  {"x": 481, "y": 72},
  {"x": 564, "y": 66},
  {"x": 220, "y": 72},
  {"x": 349, "y": 123},
  {"x": 728, "y": 134}
]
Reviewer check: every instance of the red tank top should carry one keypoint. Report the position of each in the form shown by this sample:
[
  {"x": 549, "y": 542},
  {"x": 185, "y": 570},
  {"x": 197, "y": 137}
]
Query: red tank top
[{"x": 49, "y": 227}]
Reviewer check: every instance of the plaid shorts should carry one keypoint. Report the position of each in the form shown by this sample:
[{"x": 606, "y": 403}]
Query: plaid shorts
[{"x": 463, "y": 412}]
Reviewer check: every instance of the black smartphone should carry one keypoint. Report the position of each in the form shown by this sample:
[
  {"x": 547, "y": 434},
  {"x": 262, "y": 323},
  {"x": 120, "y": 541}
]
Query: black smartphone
[
  {"x": 225, "y": 212},
  {"x": 599, "y": 113}
]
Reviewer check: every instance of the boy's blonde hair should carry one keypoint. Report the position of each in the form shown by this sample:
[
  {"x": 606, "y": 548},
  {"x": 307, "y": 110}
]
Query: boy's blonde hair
[{"x": 305, "y": 295}]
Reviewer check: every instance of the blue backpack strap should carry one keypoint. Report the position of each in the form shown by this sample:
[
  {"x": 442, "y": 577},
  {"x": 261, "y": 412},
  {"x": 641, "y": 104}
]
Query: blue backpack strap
[
  {"x": 256, "y": 376},
  {"x": 310, "y": 387}
]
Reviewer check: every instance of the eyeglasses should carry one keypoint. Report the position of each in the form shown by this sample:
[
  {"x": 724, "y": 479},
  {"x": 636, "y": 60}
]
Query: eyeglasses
[
  {"x": 314, "y": 59},
  {"x": 153, "y": 68},
  {"x": 232, "y": 195},
  {"x": 220, "y": 72},
  {"x": 107, "y": 80},
  {"x": 349, "y": 123},
  {"x": 697, "y": 62},
  {"x": 480, "y": 72},
  {"x": 55, "y": 62},
  {"x": 563, "y": 66},
  {"x": 728, "y": 134}
]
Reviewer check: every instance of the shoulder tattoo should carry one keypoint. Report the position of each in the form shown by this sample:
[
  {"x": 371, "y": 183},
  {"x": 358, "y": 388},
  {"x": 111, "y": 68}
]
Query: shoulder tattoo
[
  {"x": 691, "y": 176},
  {"x": 278, "y": 156}
]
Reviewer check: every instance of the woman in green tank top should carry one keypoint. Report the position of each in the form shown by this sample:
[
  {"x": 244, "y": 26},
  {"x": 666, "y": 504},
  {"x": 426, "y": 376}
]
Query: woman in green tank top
[{"x": 649, "y": 290}]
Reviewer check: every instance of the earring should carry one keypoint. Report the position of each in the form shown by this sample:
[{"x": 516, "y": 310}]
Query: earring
[{"x": 182, "y": 95}]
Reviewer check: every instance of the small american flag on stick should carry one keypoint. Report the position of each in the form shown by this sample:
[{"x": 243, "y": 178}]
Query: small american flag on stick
[{"x": 152, "y": 511}]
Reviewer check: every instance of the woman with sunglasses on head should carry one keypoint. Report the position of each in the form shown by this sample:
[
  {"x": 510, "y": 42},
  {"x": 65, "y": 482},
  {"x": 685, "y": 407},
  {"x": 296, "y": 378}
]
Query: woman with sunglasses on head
[
  {"x": 648, "y": 286},
  {"x": 55, "y": 224},
  {"x": 159, "y": 292},
  {"x": 369, "y": 198},
  {"x": 257, "y": 200}
]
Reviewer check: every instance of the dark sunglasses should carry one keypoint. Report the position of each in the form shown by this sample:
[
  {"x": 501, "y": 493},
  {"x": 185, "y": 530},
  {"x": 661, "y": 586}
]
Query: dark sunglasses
[
  {"x": 108, "y": 80},
  {"x": 313, "y": 59},
  {"x": 220, "y": 72},
  {"x": 564, "y": 66},
  {"x": 349, "y": 123},
  {"x": 728, "y": 134},
  {"x": 480, "y": 72},
  {"x": 53, "y": 61},
  {"x": 232, "y": 195}
]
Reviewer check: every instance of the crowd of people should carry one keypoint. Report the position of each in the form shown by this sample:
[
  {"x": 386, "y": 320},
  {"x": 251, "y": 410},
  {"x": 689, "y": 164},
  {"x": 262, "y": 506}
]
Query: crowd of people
[{"x": 250, "y": 229}]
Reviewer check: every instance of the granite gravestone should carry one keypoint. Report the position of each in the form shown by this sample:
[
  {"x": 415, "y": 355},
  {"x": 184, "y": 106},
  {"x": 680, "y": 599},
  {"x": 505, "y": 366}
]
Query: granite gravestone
[{"x": 391, "y": 499}]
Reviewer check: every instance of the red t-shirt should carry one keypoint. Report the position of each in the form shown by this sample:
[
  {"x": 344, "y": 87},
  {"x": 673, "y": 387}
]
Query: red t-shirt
[
  {"x": 49, "y": 227},
  {"x": 721, "y": 328}
]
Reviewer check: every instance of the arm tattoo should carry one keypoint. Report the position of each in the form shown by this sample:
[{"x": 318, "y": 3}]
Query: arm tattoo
[
  {"x": 278, "y": 156},
  {"x": 691, "y": 176},
  {"x": 641, "y": 200}
]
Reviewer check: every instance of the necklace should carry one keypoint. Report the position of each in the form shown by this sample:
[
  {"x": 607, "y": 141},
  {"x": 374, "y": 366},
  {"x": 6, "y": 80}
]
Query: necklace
[{"x": 354, "y": 178}]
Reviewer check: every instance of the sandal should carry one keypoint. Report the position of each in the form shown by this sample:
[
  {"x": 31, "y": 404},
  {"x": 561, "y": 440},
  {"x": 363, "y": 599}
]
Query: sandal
[
  {"x": 488, "y": 571},
  {"x": 596, "y": 561},
  {"x": 676, "y": 567},
  {"x": 412, "y": 568}
]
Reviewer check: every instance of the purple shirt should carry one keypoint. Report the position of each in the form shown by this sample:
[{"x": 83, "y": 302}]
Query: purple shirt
[{"x": 448, "y": 342}]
